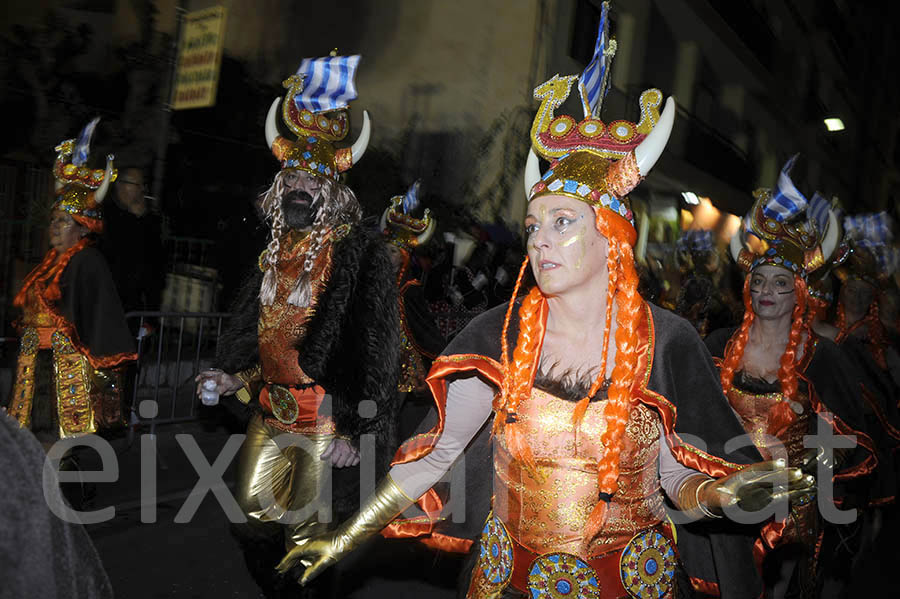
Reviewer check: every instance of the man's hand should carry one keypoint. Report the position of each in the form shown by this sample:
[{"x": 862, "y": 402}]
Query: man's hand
[
  {"x": 342, "y": 453},
  {"x": 226, "y": 384}
]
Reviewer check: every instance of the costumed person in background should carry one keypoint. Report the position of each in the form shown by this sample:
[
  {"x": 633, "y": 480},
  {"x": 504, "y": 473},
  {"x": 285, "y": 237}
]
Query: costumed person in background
[
  {"x": 318, "y": 318},
  {"x": 592, "y": 392},
  {"x": 778, "y": 374},
  {"x": 699, "y": 300},
  {"x": 869, "y": 269},
  {"x": 74, "y": 340},
  {"x": 420, "y": 339},
  {"x": 861, "y": 335}
]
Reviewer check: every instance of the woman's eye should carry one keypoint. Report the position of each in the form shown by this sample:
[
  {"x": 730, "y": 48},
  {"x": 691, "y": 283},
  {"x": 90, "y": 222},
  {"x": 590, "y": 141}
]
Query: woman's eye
[
  {"x": 531, "y": 229},
  {"x": 561, "y": 223}
]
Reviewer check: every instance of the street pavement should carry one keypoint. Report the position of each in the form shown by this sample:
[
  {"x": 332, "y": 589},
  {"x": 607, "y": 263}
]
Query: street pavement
[{"x": 199, "y": 558}]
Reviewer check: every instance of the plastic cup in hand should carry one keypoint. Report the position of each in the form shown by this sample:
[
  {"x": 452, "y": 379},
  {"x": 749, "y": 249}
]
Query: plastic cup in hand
[{"x": 209, "y": 396}]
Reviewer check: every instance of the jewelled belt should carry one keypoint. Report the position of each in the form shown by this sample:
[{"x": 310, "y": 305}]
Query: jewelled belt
[
  {"x": 644, "y": 568},
  {"x": 292, "y": 405},
  {"x": 34, "y": 338}
]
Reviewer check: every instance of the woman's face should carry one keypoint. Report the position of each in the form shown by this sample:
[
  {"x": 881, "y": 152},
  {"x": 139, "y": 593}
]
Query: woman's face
[
  {"x": 398, "y": 257},
  {"x": 772, "y": 291},
  {"x": 64, "y": 231},
  {"x": 565, "y": 249},
  {"x": 857, "y": 296}
]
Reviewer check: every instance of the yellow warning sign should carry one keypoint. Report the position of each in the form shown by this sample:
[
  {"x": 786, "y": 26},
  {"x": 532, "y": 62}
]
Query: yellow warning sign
[{"x": 199, "y": 58}]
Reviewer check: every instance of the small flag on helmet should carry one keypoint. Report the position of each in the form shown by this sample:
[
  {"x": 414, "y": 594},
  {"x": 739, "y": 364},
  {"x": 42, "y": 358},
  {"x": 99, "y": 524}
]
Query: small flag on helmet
[
  {"x": 594, "y": 81},
  {"x": 328, "y": 83},
  {"x": 83, "y": 143},
  {"x": 787, "y": 201},
  {"x": 411, "y": 199}
]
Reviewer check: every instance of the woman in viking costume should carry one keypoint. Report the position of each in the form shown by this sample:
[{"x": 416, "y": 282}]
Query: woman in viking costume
[
  {"x": 593, "y": 393},
  {"x": 866, "y": 277},
  {"x": 778, "y": 373},
  {"x": 73, "y": 332}
]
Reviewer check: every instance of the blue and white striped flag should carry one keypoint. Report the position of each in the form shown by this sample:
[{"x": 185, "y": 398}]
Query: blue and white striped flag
[
  {"x": 873, "y": 229},
  {"x": 328, "y": 83},
  {"x": 695, "y": 241},
  {"x": 593, "y": 82},
  {"x": 786, "y": 201},
  {"x": 411, "y": 199},
  {"x": 888, "y": 259},
  {"x": 83, "y": 143},
  {"x": 818, "y": 212}
]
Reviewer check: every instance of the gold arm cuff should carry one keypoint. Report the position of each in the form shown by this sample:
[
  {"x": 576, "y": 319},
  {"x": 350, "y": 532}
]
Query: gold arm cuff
[
  {"x": 394, "y": 484},
  {"x": 243, "y": 395},
  {"x": 689, "y": 498},
  {"x": 251, "y": 375}
]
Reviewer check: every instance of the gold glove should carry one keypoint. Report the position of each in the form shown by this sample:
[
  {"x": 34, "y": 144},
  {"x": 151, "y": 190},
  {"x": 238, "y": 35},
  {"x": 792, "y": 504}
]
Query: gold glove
[
  {"x": 320, "y": 551},
  {"x": 756, "y": 486}
]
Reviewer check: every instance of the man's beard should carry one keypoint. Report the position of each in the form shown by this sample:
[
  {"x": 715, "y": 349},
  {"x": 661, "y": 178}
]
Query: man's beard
[{"x": 298, "y": 210}]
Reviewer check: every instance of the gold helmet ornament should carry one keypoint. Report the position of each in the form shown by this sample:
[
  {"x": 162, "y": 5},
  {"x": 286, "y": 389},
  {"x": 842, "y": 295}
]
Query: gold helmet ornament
[{"x": 80, "y": 190}]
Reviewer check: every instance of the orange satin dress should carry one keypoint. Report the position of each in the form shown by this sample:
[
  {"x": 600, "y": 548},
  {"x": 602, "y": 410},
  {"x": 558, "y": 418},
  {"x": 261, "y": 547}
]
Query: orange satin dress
[
  {"x": 752, "y": 408},
  {"x": 532, "y": 541},
  {"x": 71, "y": 372}
]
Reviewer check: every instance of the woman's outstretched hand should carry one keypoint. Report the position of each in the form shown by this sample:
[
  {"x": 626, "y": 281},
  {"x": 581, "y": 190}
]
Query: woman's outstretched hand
[
  {"x": 320, "y": 551},
  {"x": 758, "y": 485},
  {"x": 314, "y": 553}
]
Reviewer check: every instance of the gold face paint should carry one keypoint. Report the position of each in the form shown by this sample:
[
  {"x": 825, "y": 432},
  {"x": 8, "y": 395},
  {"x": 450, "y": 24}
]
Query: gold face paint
[{"x": 576, "y": 237}]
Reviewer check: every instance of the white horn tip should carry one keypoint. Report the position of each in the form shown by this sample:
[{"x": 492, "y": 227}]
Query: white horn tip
[
  {"x": 271, "y": 125},
  {"x": 649, "y": 151},
  {"x": 362, "y": 142},
  {"x": 532, "y": 172}
]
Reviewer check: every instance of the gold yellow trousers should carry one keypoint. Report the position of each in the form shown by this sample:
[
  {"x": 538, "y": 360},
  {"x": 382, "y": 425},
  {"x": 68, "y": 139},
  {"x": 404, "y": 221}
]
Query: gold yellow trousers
[{"x": 283, "y": 484}]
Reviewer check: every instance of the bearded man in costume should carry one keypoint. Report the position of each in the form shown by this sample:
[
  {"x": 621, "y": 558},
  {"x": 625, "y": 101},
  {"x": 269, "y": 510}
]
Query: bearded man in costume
[
  {"x": 592, "y": 391},
  {"x": 314, "y": 340},
  {"x": 74, "y": 340}
]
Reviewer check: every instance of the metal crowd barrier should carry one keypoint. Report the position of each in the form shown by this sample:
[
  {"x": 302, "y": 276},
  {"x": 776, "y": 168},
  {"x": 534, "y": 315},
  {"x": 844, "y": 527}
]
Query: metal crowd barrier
[{"x": 172, "y": 348}]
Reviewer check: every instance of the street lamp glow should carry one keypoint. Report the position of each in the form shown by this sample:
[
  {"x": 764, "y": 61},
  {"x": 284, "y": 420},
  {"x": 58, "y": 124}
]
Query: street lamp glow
[
  {"x": 834, "y": 124},
  {"x": 690, "y": 198}
]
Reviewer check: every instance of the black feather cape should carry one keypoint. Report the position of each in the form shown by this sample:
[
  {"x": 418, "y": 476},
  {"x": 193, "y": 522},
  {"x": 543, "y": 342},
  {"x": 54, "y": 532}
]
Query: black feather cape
[{"x": 351, "y": 348}]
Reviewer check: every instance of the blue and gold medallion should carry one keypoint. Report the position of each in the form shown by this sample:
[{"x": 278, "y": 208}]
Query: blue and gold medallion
[
  {"x": 648, "y": 566},
  {"x": 562, "y": 576}
]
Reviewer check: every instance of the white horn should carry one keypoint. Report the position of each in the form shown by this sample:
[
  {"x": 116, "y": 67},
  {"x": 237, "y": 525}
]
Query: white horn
[
  {"x": 362, "y": 142},
  {"x": 271, "y": 123},
  {"x": 832, "y": 236},
  {"x": 532, "y": 172},
  {"x": 649, "y": 150},
  {"x": 736, "y": 245},
  {"x": 100, "y": 194},
  {"x": 429, "y": 230},
  {"x": 384, "y": 215}
]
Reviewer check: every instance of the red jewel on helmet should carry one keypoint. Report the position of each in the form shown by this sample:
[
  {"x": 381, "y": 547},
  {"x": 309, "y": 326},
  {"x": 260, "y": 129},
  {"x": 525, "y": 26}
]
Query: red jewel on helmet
[
  {"x": 629, "y": 214},
  {"x": 595, "y": 195}
]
